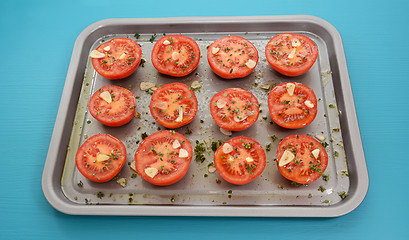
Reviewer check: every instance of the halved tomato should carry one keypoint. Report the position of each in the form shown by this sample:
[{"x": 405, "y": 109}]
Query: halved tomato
[
  {"x": 301, "y": 159},
  {"x": 292, "y": 105},
  {"x": 101, "y": 157},
  {"x": 232, "y": 57},
  {"x": 112, "y": 105},
  {"x": 173, "y": 105},
  {"x": 234, "y": 109},
  {"x": 117, "y": 58},
  {"x": 175, "y": 55},
  {"x": 291, "y": 54},
  {"x": 240, "y": 160},
  {"x": 163, "y": 158}
]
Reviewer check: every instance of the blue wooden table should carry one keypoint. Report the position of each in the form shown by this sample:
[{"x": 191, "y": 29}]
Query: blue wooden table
[{"x": 37, "y": 42}]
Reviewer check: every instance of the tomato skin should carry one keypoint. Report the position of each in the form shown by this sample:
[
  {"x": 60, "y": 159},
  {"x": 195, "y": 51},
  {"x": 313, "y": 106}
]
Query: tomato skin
[
  {"x": 283, "y": 107},
  {"x": 166, "y": 102},
  {"x": 100, "y": 171},
  {"x": 156, "y": 151},
  {"x": 186, "y": 50},
  {"x": 228, "y": 117},
  {"x": 230, "y": 61},
  {"x": 308, "y": 169},
  {"x": 304, "y": 55},
  {"x": 233, "y": 166},
  {"x": 117, "y": 113},
  {"x": 114, "y": 66}
]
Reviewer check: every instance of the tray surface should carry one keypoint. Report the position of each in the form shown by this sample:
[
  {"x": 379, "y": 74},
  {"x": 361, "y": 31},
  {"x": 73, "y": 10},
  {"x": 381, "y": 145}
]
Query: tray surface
[{"x": 200, "y": 192}]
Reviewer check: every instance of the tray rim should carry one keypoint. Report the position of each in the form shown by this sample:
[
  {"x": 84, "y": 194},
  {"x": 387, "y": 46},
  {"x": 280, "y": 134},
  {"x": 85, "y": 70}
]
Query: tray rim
[{"x": 60, "y": 203}]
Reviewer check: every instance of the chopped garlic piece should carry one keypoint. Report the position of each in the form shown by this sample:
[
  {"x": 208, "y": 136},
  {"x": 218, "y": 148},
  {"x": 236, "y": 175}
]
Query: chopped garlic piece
[
  {"x": 295, "y": 43},
  {"x": 290, "y": 88},
  {"x": 227, "y": 148},
  {"x": 249, "y": 159},
  {"x": 106, "y": 96},
  {"x": 147, "y": 85},
  {"x": 183, "y": 153},
  {"x": 151, "y": 172},
  {"x": 226, "y": 132},
  {"x": 175, "y": 56},
  {"x": 265, "y": 87},
  {"x": 97, "y": 54},
  {"x": 176, "y": 144},
  {"x": 309, "y": 104},
  {"x": 122, "y": 181},
  {"x": 196, "y": 85},
  {"x": 215, "y": 50},
  {"x": 166, "y": 42},
  {"x": 132, "y": 166},
  {"x": 221, "y": 103},
  {"x": 211, "y": 169},
  {"x": 320, "y": 137},
  {"x": 292, "y": 53},
  {"x": 123, "y": 55},
  {"x": 286, "y": 158},
  {"x": 239, "y": 118},
  {"x": 161, "y": 105},
  {"x": 180, "y": 117},
  {"x": 316, "y": 153},
  {"x": 107, "y": 48},
  {"x": 102, "y": 157},
  {"x": 251, "y": 64}
]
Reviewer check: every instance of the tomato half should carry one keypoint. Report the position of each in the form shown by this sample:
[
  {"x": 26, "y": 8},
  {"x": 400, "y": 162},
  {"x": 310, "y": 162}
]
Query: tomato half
[
  {"x": 101, "y": 157},
  {"x": 240, "y": 160},
  {"x": 291, "y": 54},
  {"x": 234, "y": 109},
  {"x": 112, "y": 105},
  {"x": 117, "y": 58},
  {"x": 292, "y": 110},
  {"x": 163, "y": 158},
  {"x": 175, "y": 55},
  {"x": 232, "y": 57},
  {"x": 301, "y": 159},
  {"x": 173, "y": 105}
]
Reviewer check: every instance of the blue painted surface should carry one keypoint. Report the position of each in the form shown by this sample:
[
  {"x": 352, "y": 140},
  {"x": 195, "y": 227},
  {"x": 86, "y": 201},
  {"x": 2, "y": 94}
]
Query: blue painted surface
[{"x": 36, "y": 44}]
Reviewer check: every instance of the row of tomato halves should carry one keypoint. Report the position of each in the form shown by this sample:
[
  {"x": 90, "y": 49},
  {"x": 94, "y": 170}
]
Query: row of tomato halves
[{"x": 163, "y": 158}]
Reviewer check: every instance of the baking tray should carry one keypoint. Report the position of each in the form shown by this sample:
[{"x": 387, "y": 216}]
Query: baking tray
[{"x": 200, "y": 193}]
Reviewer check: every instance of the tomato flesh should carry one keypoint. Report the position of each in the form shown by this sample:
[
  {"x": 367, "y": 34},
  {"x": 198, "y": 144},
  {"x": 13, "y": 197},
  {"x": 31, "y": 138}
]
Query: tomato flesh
[
  {"x": 122, "y": 58},
  {"x": 291, "y": 54},
  {"x": 173, "y": 105},
  {"x": 116, "y": 113},
  {"x": 232, "y": 57},
  {"x": 296, "y": 111},
  {"x": 175, "y": 55},
  {"x": 234, "y": 109},
  {"x": 304, "y": 168},
  {"x": 159, "y": 161},
  {"x": 101, "y": 157},
  {"x": 243, "y": 163}
]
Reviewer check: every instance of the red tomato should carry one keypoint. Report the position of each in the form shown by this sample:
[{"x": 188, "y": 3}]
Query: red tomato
[
  {"x": 240, "y": 160},
  {"x": 163, "y": 158},
  {"x": 291, "y": 54},
  {"x": 292, "y": 111},
  {"x": 101, "y": 157},
  {"x": 175, "y": 55},
  {"x": 120, "y": 58},
  {"x": 232, "y": 57},
  {"x": 299, "y": 163},
  {"x": 173, "y": 105},
  {"x": 234, "y": 109},
  {"x": 115, "y": 112}
]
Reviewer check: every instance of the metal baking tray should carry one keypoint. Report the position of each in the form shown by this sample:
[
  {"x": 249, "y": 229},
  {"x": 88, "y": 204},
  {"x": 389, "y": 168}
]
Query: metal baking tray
[{"x": 200, "y": 193}]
